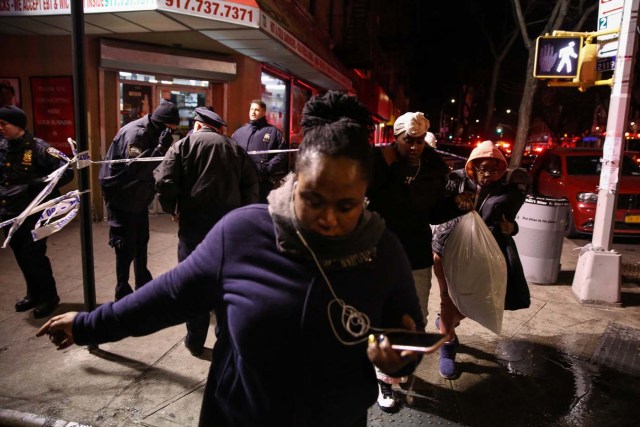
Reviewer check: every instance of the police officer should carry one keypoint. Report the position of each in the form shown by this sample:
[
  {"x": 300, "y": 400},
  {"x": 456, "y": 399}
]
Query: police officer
[
  {"x": 259, "y": 135},
  {"x": 25, "y": 161},
  {"x": 202, "y": 177},
  {"x": 128, "y": 189}
]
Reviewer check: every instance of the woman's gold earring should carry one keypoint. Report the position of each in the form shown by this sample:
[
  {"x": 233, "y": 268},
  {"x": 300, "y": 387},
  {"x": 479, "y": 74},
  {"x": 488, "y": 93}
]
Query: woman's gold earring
[{"x": 365, "y": 202}]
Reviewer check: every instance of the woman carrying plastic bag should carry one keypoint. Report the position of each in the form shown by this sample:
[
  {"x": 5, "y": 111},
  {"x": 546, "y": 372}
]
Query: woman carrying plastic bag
[{"x": 497, "y": 202}]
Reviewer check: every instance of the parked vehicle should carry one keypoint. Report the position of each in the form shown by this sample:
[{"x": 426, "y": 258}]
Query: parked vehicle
[{"x": 574, "y": 174}]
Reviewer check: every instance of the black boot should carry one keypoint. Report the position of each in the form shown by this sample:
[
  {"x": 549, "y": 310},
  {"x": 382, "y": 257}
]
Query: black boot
[
  {"x": 26, "y": 303},
  {"x": 46, "y": 307}
]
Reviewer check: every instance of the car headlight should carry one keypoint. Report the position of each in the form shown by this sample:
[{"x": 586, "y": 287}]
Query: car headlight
[{"x": 587, "y": 197}]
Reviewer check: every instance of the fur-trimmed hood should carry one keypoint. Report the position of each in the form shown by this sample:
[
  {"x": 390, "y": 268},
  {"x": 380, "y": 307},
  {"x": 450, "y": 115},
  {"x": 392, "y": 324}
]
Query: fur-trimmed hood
[{"x": 486, "y": 149}]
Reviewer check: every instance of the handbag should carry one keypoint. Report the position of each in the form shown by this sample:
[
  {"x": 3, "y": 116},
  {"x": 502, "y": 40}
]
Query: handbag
[{"x": 518, "y": 295}]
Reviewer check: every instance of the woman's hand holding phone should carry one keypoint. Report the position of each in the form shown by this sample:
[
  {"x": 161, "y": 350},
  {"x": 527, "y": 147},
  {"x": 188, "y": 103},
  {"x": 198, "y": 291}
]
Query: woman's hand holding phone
[
  {"x": 387, "y": 359},
  {"x": 390, "y": 351},
  {"x": 422, "y": 342}
]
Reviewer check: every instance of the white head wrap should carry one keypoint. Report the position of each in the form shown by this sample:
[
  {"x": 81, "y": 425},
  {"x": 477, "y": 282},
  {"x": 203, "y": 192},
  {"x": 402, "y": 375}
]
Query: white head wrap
[
  {"x": 415, "y": 124},
  {"x": 430, "y": 139}
]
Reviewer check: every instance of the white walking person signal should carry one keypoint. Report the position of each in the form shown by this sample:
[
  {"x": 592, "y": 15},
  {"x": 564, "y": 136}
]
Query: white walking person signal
[{"x": 565, "y": 54}]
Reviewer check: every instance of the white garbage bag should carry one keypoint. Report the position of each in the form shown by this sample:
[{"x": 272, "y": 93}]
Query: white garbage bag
[{"x": 476, "y": 272}]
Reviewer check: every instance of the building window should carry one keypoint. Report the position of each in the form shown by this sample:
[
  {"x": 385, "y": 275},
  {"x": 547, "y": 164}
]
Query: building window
[
  {"x": 165, "y": 80},
  {"x": 275, "y": 93}
]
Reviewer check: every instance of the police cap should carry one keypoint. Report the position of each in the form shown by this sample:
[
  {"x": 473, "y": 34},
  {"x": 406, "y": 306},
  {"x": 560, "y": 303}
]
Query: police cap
[{"x": 208, "y": 117}]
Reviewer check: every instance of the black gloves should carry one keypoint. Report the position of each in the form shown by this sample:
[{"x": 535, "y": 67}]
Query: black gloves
[{"x": 165, "y": 141}]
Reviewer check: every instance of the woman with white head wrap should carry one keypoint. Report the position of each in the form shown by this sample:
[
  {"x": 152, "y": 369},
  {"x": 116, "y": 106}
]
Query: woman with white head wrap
[
  {"x": 413, "y": 124},
  {"x": 408, "y": 191}
]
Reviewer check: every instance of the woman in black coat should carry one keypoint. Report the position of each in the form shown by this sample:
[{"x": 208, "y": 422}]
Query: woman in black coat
[{"x": 497, "y": 201}]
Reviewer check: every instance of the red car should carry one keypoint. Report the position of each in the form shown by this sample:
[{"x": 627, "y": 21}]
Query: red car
[{"x": 574, "y": 174}]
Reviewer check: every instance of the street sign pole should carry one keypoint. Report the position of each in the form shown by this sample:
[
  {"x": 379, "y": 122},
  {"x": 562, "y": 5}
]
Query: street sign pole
[{"x": 597, "y": 277}]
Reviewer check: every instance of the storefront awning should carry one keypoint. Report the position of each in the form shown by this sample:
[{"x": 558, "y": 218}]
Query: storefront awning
[
  {"x": 220, "y": 27},
  {"x": 126, "y": 56}
]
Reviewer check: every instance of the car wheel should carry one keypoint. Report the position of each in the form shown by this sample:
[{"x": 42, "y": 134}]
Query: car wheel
[{"x": 570, "y": 230}]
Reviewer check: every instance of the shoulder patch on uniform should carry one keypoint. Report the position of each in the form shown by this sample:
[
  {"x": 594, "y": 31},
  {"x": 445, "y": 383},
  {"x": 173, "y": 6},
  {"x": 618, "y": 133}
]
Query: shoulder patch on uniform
[
  {"x": 267, "y": 137},
  {"x": 55, "y": 153},
  {"x": 133, "y": 151}
]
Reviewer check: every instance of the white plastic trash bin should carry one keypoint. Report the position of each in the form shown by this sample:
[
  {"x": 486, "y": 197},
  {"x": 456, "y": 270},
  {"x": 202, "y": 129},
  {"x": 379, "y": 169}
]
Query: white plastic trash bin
[{"x": 542, "y": 222}]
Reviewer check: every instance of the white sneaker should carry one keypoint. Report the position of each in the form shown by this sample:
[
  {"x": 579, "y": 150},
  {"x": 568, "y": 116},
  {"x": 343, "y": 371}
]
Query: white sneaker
[{"x": 386, "y": 402}]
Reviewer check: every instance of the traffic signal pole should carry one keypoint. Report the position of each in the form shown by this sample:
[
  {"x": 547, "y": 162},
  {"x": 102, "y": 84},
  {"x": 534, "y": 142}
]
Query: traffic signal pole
[{"x": 597, "y": 276}]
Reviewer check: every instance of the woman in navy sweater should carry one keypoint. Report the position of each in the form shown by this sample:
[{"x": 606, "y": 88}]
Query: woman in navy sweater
[{"x": 297, "y": 285}]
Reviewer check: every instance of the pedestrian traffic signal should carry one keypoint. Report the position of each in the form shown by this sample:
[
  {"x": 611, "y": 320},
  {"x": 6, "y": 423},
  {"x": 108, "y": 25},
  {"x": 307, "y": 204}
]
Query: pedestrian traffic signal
[
  {"x": 569, "y": 60},
  {"x": 557, "y": 57}
]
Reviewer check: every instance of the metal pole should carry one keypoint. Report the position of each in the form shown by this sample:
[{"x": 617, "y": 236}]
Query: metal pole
[
  {"x": 597, "y": 277},
  {"x": 79, "y": 85},
  {"x": 616, "y": 125}
]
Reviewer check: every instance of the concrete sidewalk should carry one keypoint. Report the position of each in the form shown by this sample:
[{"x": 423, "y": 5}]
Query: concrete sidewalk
[{"x": 557, "y": 363}]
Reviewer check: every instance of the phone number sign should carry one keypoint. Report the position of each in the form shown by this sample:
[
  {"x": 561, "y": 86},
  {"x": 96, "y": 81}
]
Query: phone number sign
[
  {"x": 244, "y": 12},
  {"x": 227, "y": 11}
]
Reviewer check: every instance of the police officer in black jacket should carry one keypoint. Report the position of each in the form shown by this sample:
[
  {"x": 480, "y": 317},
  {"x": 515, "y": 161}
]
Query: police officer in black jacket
[
  {"x": 129, "y": 188},
  {"x": 25, "y": 161},
  {"x": 202, "y": 177}
]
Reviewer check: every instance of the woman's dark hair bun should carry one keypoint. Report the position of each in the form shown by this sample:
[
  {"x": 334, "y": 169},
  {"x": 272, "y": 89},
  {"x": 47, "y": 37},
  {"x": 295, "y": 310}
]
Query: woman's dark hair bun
[
  {"x": 336, "y": 124},
  {"x": 332, "y": 107}
]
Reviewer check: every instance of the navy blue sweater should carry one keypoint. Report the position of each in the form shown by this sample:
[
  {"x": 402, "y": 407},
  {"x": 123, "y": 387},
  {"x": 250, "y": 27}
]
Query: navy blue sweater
[{"x": 276, "y": 360}]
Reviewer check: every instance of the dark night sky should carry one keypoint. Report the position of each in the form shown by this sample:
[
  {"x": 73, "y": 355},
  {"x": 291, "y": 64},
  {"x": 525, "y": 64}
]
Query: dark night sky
[
  {"x": 449, "y": 49},
  {"x": 454, "y": 50}
]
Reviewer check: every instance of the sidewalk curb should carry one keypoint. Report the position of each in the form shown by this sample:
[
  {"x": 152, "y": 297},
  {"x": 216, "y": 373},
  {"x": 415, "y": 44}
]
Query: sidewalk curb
[{"x": 12, "y": 418}]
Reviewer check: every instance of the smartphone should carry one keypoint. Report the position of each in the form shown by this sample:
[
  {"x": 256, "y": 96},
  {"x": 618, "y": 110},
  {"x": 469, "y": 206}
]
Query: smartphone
[{"x": 424, "y": 342}]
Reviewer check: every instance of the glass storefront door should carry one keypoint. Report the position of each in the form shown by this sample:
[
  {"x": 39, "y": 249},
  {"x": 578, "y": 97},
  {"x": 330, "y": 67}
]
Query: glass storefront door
[
  {"x": 187, "y": 99},
  {"x": 140, "y": 94}
]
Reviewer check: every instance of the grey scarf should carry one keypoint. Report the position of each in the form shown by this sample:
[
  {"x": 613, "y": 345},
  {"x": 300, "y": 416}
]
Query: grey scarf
[{"x": 357, "y": 247}]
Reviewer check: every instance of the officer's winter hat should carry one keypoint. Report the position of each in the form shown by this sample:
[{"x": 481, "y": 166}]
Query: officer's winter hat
[
  {"x": 14, "y": 115},
  {"x": 208, "y": 117},
  {"x": 166, "y": 112}
]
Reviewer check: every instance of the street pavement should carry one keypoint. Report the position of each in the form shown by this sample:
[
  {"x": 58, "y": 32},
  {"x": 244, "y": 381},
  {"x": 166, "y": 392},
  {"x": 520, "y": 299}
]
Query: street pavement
[{"x": 558, "y": 363}]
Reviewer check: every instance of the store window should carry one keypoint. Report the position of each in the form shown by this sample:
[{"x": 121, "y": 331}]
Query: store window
[
  {"x": 142, "y": 93},
  {"x": 164, "y": 80},
  {"x": 301, "y": 94},
  {"x": 187, "y": 101},
  {"x": 275, "y": 93},
  {"x": 135, "y": 101},
  {"x": 285, "y": 98}
]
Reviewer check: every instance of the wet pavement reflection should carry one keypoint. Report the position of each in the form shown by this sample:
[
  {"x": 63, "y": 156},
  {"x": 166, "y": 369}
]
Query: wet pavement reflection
[{"x": 519, "y": 383}]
